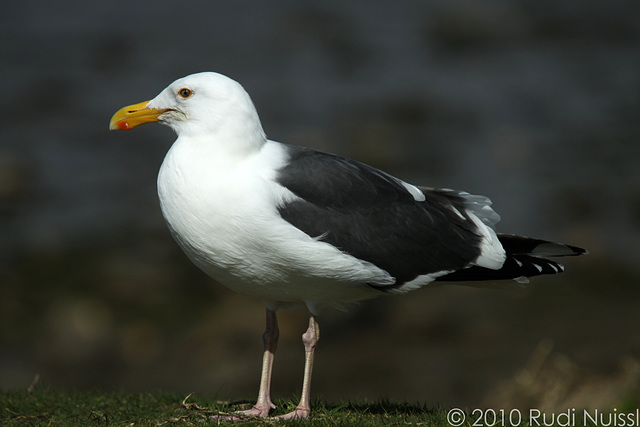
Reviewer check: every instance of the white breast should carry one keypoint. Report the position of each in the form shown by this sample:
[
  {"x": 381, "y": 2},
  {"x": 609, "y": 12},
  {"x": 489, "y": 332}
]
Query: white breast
[{"x": 223, "y": 213}]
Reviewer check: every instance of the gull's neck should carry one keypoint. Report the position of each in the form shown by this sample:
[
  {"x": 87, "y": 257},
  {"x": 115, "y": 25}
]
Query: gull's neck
[{"x": 227, "y": 137}]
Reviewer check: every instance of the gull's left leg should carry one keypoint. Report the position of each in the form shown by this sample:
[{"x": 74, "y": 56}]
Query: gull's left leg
[{"x": 310, "y": 340}]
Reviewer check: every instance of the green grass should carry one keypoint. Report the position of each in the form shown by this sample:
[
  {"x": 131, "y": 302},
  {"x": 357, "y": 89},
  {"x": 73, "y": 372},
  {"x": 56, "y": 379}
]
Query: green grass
[
  {"x": 43, "y": 407},
  {"x": 54, "y": 408}
]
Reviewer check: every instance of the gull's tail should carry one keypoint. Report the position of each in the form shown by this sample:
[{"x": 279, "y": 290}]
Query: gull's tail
[{"x": 526, "y": 257}]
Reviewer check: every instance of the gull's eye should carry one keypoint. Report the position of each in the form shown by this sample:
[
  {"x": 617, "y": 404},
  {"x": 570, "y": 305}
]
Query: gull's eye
[{"x": 185, "y": 93}]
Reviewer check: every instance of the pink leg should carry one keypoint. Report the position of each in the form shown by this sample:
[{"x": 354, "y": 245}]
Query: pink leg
[
  {"x": 270, "y": 340},
  {"x": 310, "y": 340},
  {"x": 264, "y": 404}
]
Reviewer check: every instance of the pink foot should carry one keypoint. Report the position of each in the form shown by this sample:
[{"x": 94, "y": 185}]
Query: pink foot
[
  {"x": 259, "y": 411},
  {"x": 297, "y": 414},
  {"x": 256, "y": 411}
]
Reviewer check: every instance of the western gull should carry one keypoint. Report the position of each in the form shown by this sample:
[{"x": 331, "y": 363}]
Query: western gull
[{"x": 294, "y": 226}]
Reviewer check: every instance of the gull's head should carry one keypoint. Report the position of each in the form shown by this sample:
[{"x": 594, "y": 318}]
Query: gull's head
[{"x": 203, "y": 103}]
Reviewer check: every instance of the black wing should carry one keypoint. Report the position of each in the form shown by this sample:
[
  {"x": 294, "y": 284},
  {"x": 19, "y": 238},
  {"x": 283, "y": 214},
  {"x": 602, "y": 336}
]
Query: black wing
[{"x": 372, "y": 216}]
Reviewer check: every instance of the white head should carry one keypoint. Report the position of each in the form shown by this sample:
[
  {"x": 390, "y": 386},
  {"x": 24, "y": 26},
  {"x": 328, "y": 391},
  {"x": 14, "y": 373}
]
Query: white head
[{"x": 202, "y": 105}]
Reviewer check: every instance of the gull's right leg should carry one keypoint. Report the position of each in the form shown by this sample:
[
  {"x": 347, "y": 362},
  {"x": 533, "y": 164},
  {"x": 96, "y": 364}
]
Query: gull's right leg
[{"x": 264, "y": 404}]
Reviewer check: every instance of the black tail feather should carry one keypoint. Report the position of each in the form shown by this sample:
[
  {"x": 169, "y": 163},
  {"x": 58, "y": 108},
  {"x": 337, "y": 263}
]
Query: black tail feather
[
  {"x": 520, "y": 245},
  {"x": 524, "y": 259}
]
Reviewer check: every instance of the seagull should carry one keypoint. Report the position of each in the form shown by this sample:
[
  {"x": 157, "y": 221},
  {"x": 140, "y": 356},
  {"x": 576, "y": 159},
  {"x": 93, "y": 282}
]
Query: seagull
[{"x": 300, "y": 228}]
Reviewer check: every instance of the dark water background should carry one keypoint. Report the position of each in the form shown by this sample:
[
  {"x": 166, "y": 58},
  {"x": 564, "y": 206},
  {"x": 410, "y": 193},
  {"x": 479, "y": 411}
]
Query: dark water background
[{"x": 532, "y": 103}]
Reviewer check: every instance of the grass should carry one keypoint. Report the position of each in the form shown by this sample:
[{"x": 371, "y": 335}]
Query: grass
[{"x": 54, "y": 408}]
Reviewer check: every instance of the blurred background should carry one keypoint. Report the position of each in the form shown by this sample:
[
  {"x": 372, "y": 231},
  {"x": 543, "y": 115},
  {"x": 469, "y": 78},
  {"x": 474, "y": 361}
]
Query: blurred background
[{"x": 532, "y": 103}]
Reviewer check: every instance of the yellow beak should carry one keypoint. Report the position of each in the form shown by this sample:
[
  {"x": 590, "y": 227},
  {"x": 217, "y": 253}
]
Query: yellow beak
[{"x": 134, "y": 115}]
